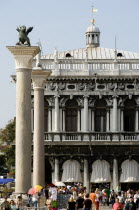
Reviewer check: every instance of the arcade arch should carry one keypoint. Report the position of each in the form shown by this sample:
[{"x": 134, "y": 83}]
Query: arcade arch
[
  {"x": 130, "y": 171},
  {"x": 100, "y": 172},
  {"x": 71, "y": 171}
]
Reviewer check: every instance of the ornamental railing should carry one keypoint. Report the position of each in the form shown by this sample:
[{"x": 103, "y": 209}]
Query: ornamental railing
[{"x": 91, "y": 136}]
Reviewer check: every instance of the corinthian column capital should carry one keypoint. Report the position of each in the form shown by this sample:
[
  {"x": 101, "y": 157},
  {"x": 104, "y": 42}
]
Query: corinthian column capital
[
  {"x": 23, "y": 56},
  {"x": 39, "y": 78}
]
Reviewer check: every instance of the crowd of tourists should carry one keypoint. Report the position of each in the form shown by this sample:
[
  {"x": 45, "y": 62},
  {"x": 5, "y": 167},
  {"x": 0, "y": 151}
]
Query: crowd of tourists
[{"x": 76, "y": 198}]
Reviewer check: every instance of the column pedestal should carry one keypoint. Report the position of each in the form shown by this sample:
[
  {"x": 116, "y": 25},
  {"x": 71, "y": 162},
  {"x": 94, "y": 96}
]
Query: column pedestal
[{"x": 23, "y": 59}]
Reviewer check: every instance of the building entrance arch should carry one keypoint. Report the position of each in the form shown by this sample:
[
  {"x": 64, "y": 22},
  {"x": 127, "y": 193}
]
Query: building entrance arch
[
  {"x": 130, "y": 172},
  {"x": 100, "y": 172},
  {"x": 71, "y": 171}
]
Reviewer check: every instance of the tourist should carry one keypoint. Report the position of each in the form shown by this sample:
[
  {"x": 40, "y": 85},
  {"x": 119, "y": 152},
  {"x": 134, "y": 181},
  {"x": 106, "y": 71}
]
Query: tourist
[
  {"x": 46, "y": 190},
  {"x": 5, "y": 205},
  {"x": 19, "y": 203},
  {"x": 13, "y": 206},
  {"x": 136, "y": 199},
  {"x": 107, "y": 190},
  {"x": 93, "y": 197},
  {"x": 80, "y": 202},
  {"x": 104, "y": 197},
  {"x": 97, "y": 199},
  {"x": 117, "y": 205},
  {"x": 35, "y": 200},
  {"x": 71, "y": 204},
  {"x": 130, "y": 205},
  {"x": 120, "y": 197},
  {"x": 87, "y": 202},
  {"x": 112, "y": 197}
]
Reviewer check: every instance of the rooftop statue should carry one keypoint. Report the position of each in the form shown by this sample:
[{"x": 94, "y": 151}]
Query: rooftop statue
[{"x": 23, "y": 35}]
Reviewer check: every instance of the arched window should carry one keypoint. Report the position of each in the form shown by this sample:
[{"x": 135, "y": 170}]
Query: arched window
[
  {"x": 100, "y": 115},
  {"x": 46, "y": 116},
  {"x": 129, "y": 115},
  {"x": 71, "y": 115},
  {"x": 68, "y": 55}
]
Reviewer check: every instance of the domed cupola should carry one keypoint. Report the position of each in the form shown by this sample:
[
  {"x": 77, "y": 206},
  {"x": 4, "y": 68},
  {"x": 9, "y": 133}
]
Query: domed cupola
[{"x": 92, "y": 36}]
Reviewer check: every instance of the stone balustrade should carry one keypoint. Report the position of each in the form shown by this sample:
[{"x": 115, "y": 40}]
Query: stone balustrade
[
  {"x": 95, "y": 66},
  {"x": 91, "y": 136}
]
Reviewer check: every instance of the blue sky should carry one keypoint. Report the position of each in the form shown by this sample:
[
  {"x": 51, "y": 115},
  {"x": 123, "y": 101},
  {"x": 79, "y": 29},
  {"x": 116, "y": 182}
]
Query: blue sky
[{"x": 61, "y": 24}]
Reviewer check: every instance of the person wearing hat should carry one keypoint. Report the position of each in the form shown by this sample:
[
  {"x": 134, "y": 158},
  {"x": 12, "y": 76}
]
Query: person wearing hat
[
  {"x": 5, "y": 205},
  {"x": 130, "y": 205}
]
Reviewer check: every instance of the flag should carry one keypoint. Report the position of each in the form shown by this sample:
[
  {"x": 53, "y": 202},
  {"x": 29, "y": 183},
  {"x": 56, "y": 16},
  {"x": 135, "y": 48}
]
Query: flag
[
  {"x": 95, "y": 10},
  {"x": 92, "y": 21}
]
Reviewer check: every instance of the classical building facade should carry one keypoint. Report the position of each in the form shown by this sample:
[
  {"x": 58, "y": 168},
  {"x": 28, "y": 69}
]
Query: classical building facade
[
  {"x": 91, "y": 121},
  {"x": 85, "y": 116}
]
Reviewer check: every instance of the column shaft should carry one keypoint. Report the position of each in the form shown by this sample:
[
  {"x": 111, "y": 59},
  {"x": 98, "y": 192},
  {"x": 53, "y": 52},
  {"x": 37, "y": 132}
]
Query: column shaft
[
  {"x": 39, "y": 160},
  {"x": 93, "y": 121},
  {"x": 23, "y": 131},
  {"x": 64, "y": 120},
  {"x": 137, "y": 120},
  {"x": 85, "y": 114},
  {"x": 115, "y": 114},
  {"x": 79, "y": 120},
  {"x": 57, "y": 123},
  {"x": 49, "y": 120},
  {"x": 115, "y": 174},
  {"x": 86, "y": 175},
  {"x": 56, "y": 170},
  {"x": 108, "y": 125},
  {"x": 122, "y": 120}
]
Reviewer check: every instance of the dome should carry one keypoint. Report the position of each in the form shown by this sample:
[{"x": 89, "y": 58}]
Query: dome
[{"x": 92, "y": 28}]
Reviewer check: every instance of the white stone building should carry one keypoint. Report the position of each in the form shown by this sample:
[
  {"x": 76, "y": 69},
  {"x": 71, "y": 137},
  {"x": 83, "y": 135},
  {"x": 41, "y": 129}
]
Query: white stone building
[{"x": 89, "y": 106}]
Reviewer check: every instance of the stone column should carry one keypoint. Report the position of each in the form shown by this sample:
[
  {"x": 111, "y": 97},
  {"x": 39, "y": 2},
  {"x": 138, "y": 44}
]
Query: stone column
[
  {"x": 137, "y": 120},
  {"x": 79, "y": 120},
  {"x": 115, "y": 174},
  {"x": 56, "y": 170},
  {"x": 122, "y": 119},
  {"x": 39, "y": 81},
  {"x": 64, "y": 120},
  {"x": 86, "y": 175},
  {"x": 108, "y": 120},
  {"x": 49, "y": 120},
  {"x": 57, "y": 123},
  {"x": 93, "y": 120},
  {"x": 85, "y": 114},
  {"x": 23, "y": 60},
  {"x": 114, "y": 114}
]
